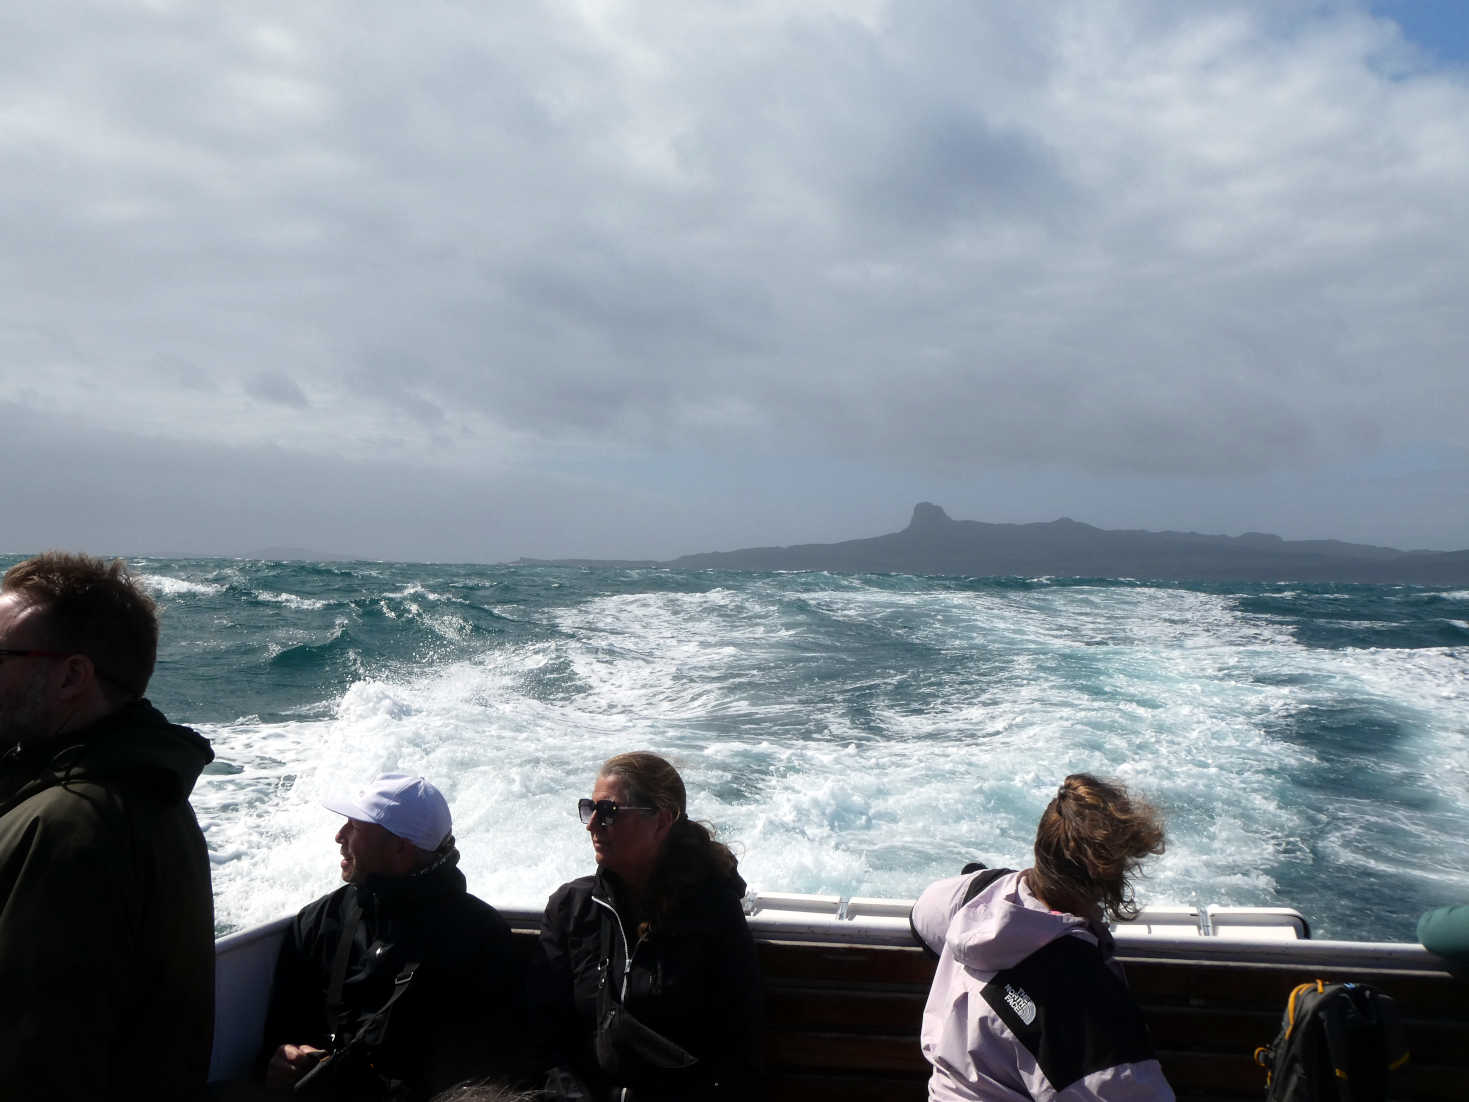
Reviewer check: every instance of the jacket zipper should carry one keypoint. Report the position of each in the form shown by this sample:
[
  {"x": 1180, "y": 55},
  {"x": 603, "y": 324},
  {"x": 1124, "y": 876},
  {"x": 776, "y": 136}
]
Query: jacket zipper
[
  {"x": 627, "y": 959},
  {"x": 627, "y": 956}
]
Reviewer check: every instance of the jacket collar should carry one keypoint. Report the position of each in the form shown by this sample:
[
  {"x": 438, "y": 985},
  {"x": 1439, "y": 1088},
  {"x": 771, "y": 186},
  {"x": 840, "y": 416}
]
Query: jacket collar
[
  {"x": 135, "y": 741},
  {"x": 441, "y": 878}
]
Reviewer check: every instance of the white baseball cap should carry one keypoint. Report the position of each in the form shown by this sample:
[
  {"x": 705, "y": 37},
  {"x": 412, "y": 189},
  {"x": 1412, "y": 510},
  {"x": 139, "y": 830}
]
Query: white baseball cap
[{"x": 401, "y": 804}]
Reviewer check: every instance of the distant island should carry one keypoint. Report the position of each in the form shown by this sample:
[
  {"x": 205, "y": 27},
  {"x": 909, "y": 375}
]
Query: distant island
[{"x": 934, "y": 543}]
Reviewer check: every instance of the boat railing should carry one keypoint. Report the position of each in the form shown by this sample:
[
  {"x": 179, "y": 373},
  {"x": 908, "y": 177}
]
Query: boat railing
[{"x": 1266, "y": 938}]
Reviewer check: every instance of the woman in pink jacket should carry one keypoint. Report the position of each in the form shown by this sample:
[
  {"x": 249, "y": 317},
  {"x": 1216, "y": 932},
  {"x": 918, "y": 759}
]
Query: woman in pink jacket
[{"x": 1027, "y": 1001}]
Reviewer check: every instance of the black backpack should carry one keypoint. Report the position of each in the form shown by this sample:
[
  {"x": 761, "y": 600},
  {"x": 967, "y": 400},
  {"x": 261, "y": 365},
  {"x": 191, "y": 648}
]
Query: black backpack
[{"x": 1338, "y": 1042}]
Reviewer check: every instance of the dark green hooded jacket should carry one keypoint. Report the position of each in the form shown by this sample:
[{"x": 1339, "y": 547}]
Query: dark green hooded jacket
[{"x": 106, "y": 916}]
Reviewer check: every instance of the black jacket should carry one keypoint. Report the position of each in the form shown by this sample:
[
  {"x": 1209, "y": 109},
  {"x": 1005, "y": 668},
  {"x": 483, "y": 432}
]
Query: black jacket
[
  {"x": 695, "y": 980},
  {"x": 106, "y": 915},
  {"x": 459, "y": 1016}
]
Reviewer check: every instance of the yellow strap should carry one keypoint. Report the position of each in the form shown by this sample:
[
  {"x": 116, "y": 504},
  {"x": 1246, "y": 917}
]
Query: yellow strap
[
  {"x": 1290, "y": 1006},
  {"x": 1399, "y": 1062}
]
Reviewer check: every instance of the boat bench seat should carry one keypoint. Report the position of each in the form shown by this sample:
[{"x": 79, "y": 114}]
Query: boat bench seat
[
  {"x": 842, "y": 1020},
  {"x": 843, "y": 1023}
]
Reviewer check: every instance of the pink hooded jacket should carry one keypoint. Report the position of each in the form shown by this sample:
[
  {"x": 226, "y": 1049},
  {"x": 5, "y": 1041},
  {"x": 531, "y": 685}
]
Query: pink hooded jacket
[{"x": 1027, "y": 1003}]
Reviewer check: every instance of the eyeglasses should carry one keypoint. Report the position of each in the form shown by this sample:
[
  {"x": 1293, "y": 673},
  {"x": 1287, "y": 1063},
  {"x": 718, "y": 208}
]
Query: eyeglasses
[
  {"x": 8, "y": 652},
  {"x": 605, "y": 810}
]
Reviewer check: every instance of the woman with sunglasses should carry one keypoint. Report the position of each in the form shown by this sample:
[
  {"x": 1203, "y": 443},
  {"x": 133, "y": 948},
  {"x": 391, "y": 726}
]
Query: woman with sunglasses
[
  {"x": 645, "y": 984},
  {"x": 1027, "y": 1001}
]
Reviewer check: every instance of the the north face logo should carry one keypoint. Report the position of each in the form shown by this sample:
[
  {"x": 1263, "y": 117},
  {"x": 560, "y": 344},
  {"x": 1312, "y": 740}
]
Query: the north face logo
[{"x": 1021, "y": 1003}]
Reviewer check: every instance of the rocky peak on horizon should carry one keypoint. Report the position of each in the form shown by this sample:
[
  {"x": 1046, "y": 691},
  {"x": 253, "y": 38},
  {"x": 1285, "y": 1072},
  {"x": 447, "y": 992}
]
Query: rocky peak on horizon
[
  {"x": 935, "y": 543},
  {"x": 928, "y": 515}
]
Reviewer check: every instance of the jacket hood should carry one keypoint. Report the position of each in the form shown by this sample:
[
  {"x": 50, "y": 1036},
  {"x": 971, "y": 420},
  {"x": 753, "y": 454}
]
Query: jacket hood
[
  {"x": 135, "y": 744},
  {"x": 1006, "y": 923}
]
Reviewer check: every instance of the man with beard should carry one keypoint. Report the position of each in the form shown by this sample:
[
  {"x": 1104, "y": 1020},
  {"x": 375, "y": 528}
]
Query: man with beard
[
  {"x": 400, "y": 982},
  {"x": 106, "y": 915}
]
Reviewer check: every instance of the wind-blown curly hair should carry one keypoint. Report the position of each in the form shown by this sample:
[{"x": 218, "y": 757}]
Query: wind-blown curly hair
[
  {"x": 691, "y": 857},
  {"x": 1089, "y": 846}
]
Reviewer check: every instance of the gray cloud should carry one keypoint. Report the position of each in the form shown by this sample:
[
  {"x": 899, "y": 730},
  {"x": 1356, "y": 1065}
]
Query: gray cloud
[
  {"x": 886, "y": 243},
  {"x": 270, "y": 386}
]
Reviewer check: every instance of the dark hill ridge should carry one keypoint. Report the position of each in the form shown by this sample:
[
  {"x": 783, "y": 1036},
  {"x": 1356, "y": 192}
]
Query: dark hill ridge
[{"x": 933, "y": 543}]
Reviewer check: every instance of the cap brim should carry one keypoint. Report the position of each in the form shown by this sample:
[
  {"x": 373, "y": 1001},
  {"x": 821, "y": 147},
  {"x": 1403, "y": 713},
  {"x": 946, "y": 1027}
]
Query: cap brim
[{"x": 343, "y": 804}]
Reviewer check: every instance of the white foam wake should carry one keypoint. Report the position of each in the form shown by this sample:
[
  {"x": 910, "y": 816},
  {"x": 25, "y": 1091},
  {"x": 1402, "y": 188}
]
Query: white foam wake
[{"x": 862, "y": 740}]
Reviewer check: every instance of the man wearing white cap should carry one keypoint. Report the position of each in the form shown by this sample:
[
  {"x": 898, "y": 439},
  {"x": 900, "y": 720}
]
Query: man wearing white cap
[{"x": 400, "y": 982}]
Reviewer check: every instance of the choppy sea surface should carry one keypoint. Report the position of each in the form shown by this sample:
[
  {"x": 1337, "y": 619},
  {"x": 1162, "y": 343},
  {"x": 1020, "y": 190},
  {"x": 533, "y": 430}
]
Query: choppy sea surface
[{"x": 1307, "y": 744}]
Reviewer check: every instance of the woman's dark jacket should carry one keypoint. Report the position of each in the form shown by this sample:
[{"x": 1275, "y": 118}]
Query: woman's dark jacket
[
  {"x": 694, "y": 978},
  {"x": 459, "y": 1016}
]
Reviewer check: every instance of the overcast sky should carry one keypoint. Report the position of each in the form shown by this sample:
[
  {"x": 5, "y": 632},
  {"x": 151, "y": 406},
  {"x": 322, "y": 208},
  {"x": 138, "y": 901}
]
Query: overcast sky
[{"x": 475, "y": 281}]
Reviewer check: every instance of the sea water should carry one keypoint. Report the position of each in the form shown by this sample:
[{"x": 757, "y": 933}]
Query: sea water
[{"x": 1307, "y": 745}]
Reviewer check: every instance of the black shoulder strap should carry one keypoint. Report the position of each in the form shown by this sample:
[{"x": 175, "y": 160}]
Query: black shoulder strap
[
  {"x": 983, "y": 881},
  {"x": 372, "y": 1030},
  {"x": 1392, "y": 1025},
  {"x": 350, "y": 921},
  {"x": 1339, "y": 1017}
]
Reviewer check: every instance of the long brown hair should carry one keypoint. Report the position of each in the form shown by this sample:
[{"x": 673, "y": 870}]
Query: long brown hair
[
  {"x": 690, "y": 856},
  {"x": 1089, "y": 846}
]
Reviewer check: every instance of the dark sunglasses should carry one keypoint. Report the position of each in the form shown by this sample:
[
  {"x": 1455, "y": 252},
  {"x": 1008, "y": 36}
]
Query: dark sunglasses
[{"x": 605, "y": 810}]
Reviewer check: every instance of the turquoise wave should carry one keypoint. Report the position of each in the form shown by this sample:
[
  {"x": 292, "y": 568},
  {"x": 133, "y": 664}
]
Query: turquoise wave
[{"x": 859, "y": 734}]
